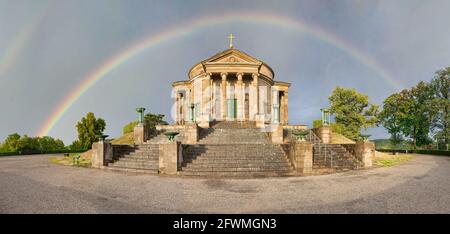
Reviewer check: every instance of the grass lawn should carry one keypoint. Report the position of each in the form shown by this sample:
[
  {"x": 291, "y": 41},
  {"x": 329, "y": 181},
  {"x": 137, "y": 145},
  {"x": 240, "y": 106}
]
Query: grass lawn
[
  {"x": 70, "y": 160},
  {"x": 389, "y": 160},
  {"x": 126, "y": 139}
]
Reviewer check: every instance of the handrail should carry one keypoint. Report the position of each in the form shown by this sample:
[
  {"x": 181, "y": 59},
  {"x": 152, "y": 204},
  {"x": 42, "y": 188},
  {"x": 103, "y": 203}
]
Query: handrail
[{"x": 313, "y": 138}]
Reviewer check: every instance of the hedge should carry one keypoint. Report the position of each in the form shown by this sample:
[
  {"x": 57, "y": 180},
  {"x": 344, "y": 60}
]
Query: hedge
[
  {"x": 432, "y": 152},
  {"x": 40, "y": 152}
]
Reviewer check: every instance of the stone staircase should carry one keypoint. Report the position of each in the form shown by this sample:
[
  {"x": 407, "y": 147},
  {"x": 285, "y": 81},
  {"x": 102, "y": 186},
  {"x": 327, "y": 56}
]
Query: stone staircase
[
  {"x": 140, "y": 159},
  {"x": 229, "y": 149},
  {"x": 334, "y": 156},
  {"x": 233, "y": 133},
  {"x": 329, "y": 158}
]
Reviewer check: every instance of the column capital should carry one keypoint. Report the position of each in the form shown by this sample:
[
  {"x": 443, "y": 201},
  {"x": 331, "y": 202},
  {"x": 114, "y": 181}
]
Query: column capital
[
  {"x": 208, "y": 74},
  {"x": 255, "y": 75},
  {"x": 239, "y": 75},
  {"x": 224, "y": 75}
]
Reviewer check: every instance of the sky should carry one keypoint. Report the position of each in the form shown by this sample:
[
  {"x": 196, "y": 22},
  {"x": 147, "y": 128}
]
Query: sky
[{"x": 48, "y": 48}]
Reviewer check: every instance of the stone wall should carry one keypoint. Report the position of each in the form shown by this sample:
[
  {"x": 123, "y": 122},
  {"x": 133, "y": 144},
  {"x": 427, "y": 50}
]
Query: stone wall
[{"x": 300, "y": 154}]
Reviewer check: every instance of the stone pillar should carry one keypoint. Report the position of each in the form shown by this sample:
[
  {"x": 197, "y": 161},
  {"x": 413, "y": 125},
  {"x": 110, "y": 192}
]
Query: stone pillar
[
  {"x": 277, "y": 134},
  {"x": 302, "y": 157},
  {"x": 102, "y": 153},
  {"x": 255, "y": 84},
  {"x": 206, "y": 95},
  {"x": 324, "y": 133},
  {"x": 179, "y": 116},
  {"x": 205, "y": 116},
  {"x": 140, "y": 134},
  {"x": 191, "y": 133},
  {"x": 365, "y": 152},
  {"x": 170, "y": 157},
  {"x": 240, "y": 96},
  {"x": 285, "y": 108},
  {"x": 223, "y": 90}
]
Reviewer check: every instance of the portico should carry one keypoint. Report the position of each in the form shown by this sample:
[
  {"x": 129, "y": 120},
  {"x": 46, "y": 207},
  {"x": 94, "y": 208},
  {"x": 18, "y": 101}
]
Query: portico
[{"x": 231, "y": 86}]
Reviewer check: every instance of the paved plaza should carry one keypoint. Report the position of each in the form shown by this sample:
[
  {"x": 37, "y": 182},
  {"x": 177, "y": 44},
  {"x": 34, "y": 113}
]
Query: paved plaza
[{"x": 31, "y": 184}]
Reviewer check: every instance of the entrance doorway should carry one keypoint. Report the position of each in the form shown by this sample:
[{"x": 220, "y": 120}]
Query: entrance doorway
[{"x": 232, "y": 108}]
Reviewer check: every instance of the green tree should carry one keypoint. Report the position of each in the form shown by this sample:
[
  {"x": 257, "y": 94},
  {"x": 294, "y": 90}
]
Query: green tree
[
  {"x": 317, "y": 123},
  {"x": 76, "y": 145},
  {"x": 11, "y": 143},
  {"x": 129, "y": 127},
  {"x": 151, "y": 120},
  {"x": 27, "y": 144},
  {"x": 440, "y": 107},
  {"x": 47, "y": 143},
  {"x": 391, "y": 115},
  {"x": 88, "y": 129},
  {"x": 352, "y": 111},
  {"x": 417, "y": 115}
]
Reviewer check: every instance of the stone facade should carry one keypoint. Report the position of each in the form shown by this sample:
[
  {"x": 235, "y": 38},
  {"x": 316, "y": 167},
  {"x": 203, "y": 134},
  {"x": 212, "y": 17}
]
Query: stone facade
[
  {"x": 231, "y": 119},
  {"x": 231, "y": 86}
]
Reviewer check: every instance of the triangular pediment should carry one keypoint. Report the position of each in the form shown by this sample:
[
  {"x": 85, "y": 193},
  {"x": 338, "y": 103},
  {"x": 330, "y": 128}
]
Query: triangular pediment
[{"x": 232, "y": 56}]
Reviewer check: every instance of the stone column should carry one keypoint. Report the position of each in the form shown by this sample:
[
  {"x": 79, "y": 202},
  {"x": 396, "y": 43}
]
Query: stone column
[
  {"x": 211, "y": 98},
  {"x": 285, "y": 108},
  {"x": 223, "y": 90},
  {"x": 239, "y": 94},
  {"x": 206, "y": 95},
  {"x": 179, "y": 108},
  {"x": 255, "y": 77}
]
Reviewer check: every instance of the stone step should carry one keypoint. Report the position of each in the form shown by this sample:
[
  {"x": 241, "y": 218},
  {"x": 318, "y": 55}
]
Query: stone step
[
  {"x": 131, "y": 170},
  {"x": 235, "y": 169},
  {"x": 137, "y": 165},
  {"x": 243, "y": 165},
  {"x": 235, "y": 174},
  {"x": 242, "y": 160},
  {"x": 138, "y": 159}
]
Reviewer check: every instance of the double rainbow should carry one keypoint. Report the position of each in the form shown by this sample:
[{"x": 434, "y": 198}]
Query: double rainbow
[{"x": 186, "y": 29}]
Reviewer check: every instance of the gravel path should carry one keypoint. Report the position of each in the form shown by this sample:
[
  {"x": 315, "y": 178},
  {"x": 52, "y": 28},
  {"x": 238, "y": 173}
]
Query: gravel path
[{"x": 31, "y": 184}]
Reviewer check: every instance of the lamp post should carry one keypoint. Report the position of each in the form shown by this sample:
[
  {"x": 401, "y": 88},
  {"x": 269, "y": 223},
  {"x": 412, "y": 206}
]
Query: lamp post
[
  {"x": 325, "y": 116},
  {"x": 140, "y": 111}
]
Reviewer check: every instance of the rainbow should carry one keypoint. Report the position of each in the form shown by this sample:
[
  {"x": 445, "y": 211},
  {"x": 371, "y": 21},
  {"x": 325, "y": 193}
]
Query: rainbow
[
  {"x": 194, "y": 26},
  {"x": 12, "y": 52}
]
